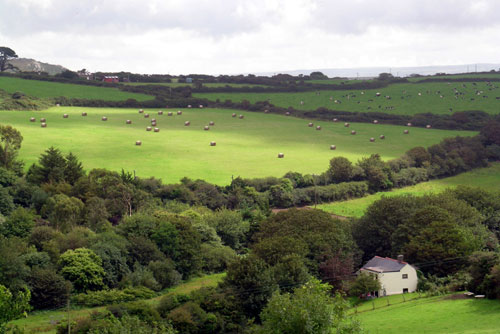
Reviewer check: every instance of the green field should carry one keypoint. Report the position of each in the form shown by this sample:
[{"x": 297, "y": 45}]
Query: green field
[
  {"x": 486, "y": 178},
  {"x": 436, "y": 315},
  {"x": 245, "y": 147},
  {"x": 183, "y": 84},
  {"x": 459, "y": 76},
  {"x": 46, "y": 321},
  {"x": 404, "y": 98},
  {"x": 45, "y": 89}
]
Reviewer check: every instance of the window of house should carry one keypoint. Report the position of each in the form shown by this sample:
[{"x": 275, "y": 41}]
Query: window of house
[{"x": 405, "y": 276}]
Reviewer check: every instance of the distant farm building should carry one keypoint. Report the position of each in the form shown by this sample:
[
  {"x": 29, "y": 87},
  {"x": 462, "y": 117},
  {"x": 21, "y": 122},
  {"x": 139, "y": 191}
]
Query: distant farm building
[
  {"x": 110, "y": 78},
  {"x": 395, "y": 276}
]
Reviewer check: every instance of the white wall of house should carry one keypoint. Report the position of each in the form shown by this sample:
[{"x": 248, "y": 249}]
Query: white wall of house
[{"x": 393, "y": 283}]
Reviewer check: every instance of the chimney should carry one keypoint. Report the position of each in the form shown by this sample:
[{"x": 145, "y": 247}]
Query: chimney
[{"x": 400, "y": 258}]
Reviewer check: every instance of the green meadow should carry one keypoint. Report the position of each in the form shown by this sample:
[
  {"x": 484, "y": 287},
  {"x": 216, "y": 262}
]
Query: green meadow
[
  {"x": 45, "y": 89},
  {"x": 487, "y": 178},
  {"x": 245, "y": 147},
  {"x": 183, "y": 84},
  {"x": 436, "y": 98},
  {"x": 436, "y": 315}
]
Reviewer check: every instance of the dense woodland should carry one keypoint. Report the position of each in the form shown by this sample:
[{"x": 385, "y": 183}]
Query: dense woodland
[{"x": 100, "y": 237}]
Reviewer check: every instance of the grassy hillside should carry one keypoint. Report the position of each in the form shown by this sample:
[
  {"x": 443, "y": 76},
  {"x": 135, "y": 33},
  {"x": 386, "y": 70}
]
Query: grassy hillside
[
  {"x": 246, "y": 147},
  {"x": 404, "y": 98},
  {"x": 487, "y": 178},
  {"x": 45, "y": 89},
  {"x": 437, "y": 315}
]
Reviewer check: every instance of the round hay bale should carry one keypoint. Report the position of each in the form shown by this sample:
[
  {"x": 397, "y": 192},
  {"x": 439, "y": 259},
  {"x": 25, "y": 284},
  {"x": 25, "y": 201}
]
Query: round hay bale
[
  {"x": 84, "y": 114},
  {"x": 153, "y": 123},
  {"x": 104, "y": 118},
  {"x": 335, "y": 120},
  {"x": 32, "y": 119},
  {"x": 157, "y": 130},
  {"x": 241, "y": 116},
  {"x": 409, "y": 124},
  {"x": 146, "y": 115},
  {"x": 206, "y": 128},
  {"x": 287, "y": 113},
  {"x": 160, "y": 112},
  {"x": 233, "y": 115},
  {"x": 141, "y": 111},
  {"x": 310, "y": 125},
  {"x": 189, "y": 106},
  {"x": 375, "y": 121},
  {"x": 128, "y": 121},
  {"x": 212, "y": 143},
  {"x": 372, "y": 139},
  {"x": 170, "y": 113},
  {"x": 211, "y": 123},
  {"x": 333, "y": 147},
  {"x": 138, "y": 142},
  {"x": 281, "y": 155},
  {"x": 353, "y": 132},
  {"x": 201, "y": 106},
  {"x": 266, "y": 111},
  {"x": 382, "y": 137},
  {"x": 179, "y": 112},
  {"x": 44, "y": 125},
  {"x": 346, "y": 125},
  {"x": 149, "y": 128},
  {"x": 428, "y": 126},
  {"x": 318, "y": 127},
  {"x": 153, "y": 120},
  {"x": 187, "y": 123},
  {"x": 43, "y": 120},
  {"x": 58, "y": 105},
  {"x": 406, "y": 132},
  {"x": 65, "y": 116},
  {"x": 377, "y": 94}
]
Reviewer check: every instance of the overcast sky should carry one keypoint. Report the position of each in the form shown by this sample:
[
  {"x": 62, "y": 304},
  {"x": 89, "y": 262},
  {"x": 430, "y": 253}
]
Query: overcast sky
[{"x": 237, "y": 36}]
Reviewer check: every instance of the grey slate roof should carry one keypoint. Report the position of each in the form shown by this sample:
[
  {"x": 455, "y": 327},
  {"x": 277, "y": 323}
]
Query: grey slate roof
[{"x": 384, "y": 265}]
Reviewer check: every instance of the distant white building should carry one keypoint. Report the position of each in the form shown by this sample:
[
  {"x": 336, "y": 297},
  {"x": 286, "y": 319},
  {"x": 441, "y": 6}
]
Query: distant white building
[{"x": 395, "y": 276}]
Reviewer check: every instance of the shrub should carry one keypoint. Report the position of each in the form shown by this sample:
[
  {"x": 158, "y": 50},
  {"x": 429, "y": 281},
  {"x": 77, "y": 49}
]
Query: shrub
[{"x": 107, "y": 297}]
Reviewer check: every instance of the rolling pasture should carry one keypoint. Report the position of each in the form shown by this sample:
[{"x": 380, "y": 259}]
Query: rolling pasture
[
  {"x": 487, "y": 178},
  {"x": 245, "y": 147},
  {"x": 403, "y": 99},
  {"x": 45, "y": 89}
]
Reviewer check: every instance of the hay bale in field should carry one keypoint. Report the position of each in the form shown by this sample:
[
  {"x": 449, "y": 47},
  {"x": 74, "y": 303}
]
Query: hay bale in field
[
  {"x": 382, "y": 137},
  {"x": 43, "y": 120},
  {"x": 346, "y": 125},
  {"x": 212, "y": 143},
  {"x": 187, "y": 123},
  {"x": 310, "y": 125},
  {"x": 211, "y": 123},
  {"x": 241, "y": 116},
  {"x": 179, "y": 112},
  {"x": 153, "y": 123},
  {"x": 266, "y": 111},
  {"x": 372, "y": 139},
  {"x": 281, "y": 155},
  {"x": 58, "y": 105},
  {"x": 32, "y": 119},
  {"x": 201, "y": 106},
  {"x": 149, "y": 128},
  {"x": 141, "y": 111},
  {"x": 84, "y": 114},
  {"x": 428, "y": 126},
  {"x": 160, "y": 112},
  {"x": 44, "y": 125},
  {"x": 333, "y": 147},
  {"x": 146, "y": 115},
  {"x": 189, "y": 106},
  {"x": 128, "y": 121},
  {"x": 65, "y": 115},
  {"x": 318, "y": 127},
  {"x": 138, "y": 143},
  {"x": 408, "y": 124},
  {"x": 153, "y": 120},
  {"x": 377, "y": 94},
  {"x": 104, "y": 118},
  {"x": 353, "y": 132},
  {"x": 157, "y": 130},
  {"x": 206, "y": 128},
  {"x": 335, "y": 120},
  {"x": 406, "y": 132},
  {"x": 375, "y": 121},
  {"x": 233, "y": 115},
  {"x": 170, "y": 113},
  {"x": 301, "y": 103},
  {"x": 287, "y": 113}
]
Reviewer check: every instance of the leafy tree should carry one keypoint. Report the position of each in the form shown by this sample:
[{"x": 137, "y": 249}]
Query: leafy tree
[
  {"x": 480, "y": 266},
  {"x": 420, "y": 156},
  {"x": 48, "y": 289},
  {"x": 6, "y": 202},
  {"x": 6, "y": 54},
  {"x": 13, "y": 270},
  {"x": 62, "y": 211},
  {"x": 377, "y": 173},
  {"x": 341, "y": 170},
  {"x": 83, "y": 268},
  {"x": 10, "y": 143},
  {"x": 50, "y": 169},
  {"x": 96, "y": 215},
  {"x": 12, "y": 306},
  {"x": 310, "y": 309},
  {"x": 114, "y": 262},
  {"x": 18, "y": 224},
  {"x": 73, "y": 170},
  {"x": 166, "y": 237},
  {"x": 363, "y": 284},
  {"x": 230, "y": 226},
  {"x": 143, "y": 251},
  {"x": 164, "y": 272}
]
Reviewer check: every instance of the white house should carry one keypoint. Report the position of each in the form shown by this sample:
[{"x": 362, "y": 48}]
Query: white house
[{"x": 395, "y": 276}]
